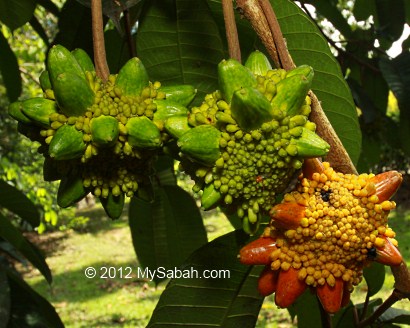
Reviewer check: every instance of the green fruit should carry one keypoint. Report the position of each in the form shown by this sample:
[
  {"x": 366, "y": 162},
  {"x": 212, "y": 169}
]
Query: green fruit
[
  {"x": 258, "y": 63},
  {"x": 61, "y": 60},
  {"x": 45, "y": 81},
  {"x": 168, "y": 108},
  {"x": 70, "y": 191},
  {"x": 132, "y": 78},
  {"x": 67, "y": 143},
  {"x": 233, "y": 76},
  {"x": 176, "y": 126},
  {"x": 113, "y": 205},
  {"x": 291, "y": 93},
  {"x": 304, "y": 70},
  {"x": 210, "y": 197},
  {"x": 83, "y": 60},
  {"x": 15, "y": 111},
  {"x": 201, "y": 144},
  {"x": 182, "y": 94},
  {"x": 104, "y": 130},
  {"x": 250, "y": 108},
  {"x": 143, "y": 133},
  {"x": 309, "y": 144},
  {"x": 73, "y": 94},
  {"x": 250, "y": 227},
  {"x": 38, "y": 110}
]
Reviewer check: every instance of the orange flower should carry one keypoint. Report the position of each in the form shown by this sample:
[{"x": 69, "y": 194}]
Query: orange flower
[{"x": 324, "y": 233}]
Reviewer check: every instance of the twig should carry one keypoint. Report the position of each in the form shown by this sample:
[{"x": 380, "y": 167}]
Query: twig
[
  {"x": 365, "y": 306},
  {"x": 253, "y": 12},
  {"x": 100, "y": 59},
  {"x": 401, "y": 279},
  {"x": 393, "y": 298},
  {"x": 128, "y": 34},
  {"x": 284, "y": 56},
  {"x": 28, "y": 73},
  {"x": 231, "y": 30}
]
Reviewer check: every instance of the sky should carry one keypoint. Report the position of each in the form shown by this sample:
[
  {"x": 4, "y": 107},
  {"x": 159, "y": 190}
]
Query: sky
[{"x": 396, "y": 48}]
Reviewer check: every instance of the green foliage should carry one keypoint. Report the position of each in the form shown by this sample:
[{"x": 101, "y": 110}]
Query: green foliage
[
  {"x": 182, "y": 42},
  {"x": 362, "y": 53},
  {"x": 229, "y": 300},
  {"x": 21, "y": 305},
  {"x": 164, "y": 234}
]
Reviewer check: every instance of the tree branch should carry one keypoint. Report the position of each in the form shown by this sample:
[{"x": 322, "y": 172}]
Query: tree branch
[
  {"x": 231, "y": 30},
  {"x": 253, "y": 12},
  {"x": 280, "y": 43},
  {"x": 100, "y": 59}
]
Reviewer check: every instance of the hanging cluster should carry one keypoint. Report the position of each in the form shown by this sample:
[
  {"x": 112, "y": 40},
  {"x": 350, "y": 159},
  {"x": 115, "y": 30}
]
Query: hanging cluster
[
  {"x": 244, "y": 143},
  {"x": 324, "y": 233},
  {"x": 99, "y": 136}
]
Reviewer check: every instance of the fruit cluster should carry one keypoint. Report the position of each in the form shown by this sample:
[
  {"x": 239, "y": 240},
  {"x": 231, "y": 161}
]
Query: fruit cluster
[
  {"x": 324, "y": 233},
  {"x": 99, "y": 136},
  {"x": 244, "y": 143}
]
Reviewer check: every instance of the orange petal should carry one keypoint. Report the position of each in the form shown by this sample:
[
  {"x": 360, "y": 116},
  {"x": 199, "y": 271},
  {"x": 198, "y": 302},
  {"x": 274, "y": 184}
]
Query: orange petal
[
  {"x": 287, "y": 215},
  {"x": 331, "y": 297},
  {"x": 289, "y": 288},
  {"x": 388, "y": 254},
  {"x": 386, "y": 184},
  {"x": 258, "y": 251},
  {"x": 310, "y": 166},
  {"x": 267, "y": 281}
]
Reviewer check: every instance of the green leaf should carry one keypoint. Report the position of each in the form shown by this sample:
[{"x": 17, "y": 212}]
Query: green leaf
[
  {"x": 4, "y": 297},
  {"x": 165, "y": 171},
  {"x": 374, "y": 275},
  {"x": 167, "y": 230},
  {"x": 9, "y": 69},
  {"x": 306, "y": 308},
  {"x": 363, "y": 9},
  {"x": 15, "y": 238},
  {"x": 117, "y": 50},
  {"x": 74, "y": 27},
  {"x": 15, "y": 13},
  {"x": 179, "y": 42},
  {"x": 221, "y": 302},
  {"x": 397, "y": 74},
  {"x": 28, "y": 308},
  {"x": 393, "y": 315},
  {"x": 16, "y": 202},
  {"x": 307, "y": 46},
  {"x": 390, "y": 19}
]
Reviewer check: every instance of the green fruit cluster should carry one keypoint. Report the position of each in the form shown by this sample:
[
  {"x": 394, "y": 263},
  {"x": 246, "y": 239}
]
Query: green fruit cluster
[
  {"x": 99, "y": 136},
  {"x": 245, "y": 141}
]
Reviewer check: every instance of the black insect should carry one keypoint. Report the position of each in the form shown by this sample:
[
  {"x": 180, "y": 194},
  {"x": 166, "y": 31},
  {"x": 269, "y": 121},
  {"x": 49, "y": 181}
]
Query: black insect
[
  {"x": 371, "y": 253},
  {"x": 325, "y": 194}
]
